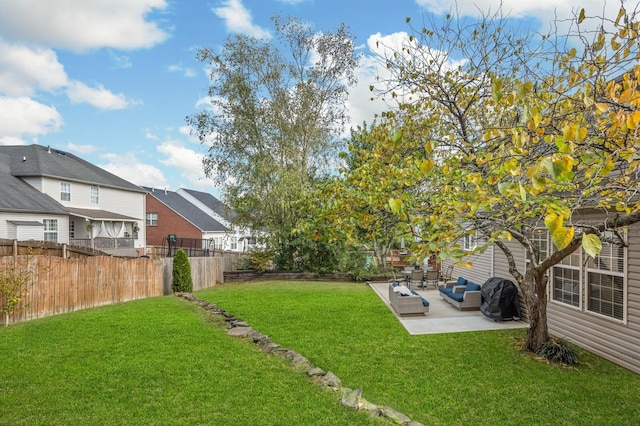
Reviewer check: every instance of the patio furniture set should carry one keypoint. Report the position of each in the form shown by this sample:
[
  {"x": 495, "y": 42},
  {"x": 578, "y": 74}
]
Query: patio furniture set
[{"x": 461, "y": 293}]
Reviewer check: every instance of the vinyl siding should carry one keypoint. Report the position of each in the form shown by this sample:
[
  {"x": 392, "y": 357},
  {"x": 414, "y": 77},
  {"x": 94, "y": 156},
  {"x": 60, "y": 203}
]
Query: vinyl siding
[
  {"x": 481, "y": 270},
  {"x": 617, "y": 341},
  {"x": 10, "y": 231}
]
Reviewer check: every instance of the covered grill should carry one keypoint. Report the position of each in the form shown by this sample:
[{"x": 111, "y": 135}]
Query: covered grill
[{"x": 499, "y": 299}]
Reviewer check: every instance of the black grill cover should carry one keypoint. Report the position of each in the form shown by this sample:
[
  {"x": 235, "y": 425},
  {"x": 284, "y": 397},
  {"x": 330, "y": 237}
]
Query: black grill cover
[{"x": 499, "y": 299}]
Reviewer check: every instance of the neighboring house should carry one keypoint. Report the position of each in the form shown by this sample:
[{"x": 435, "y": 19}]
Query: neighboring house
[
  {"x": 593, "y": 303},
  {"x": 236, "y": 238},
  {"x": 188, "y": 214},
  {"x": 52, "y": 195},
  {"x": 169, "y": 214}
]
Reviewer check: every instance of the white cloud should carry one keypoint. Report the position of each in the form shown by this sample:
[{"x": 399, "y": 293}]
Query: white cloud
[
  {"x": 82, "y": 149},
  {"x": 292, "y": 2},
  {"x": 25, "y": 117},
  {"x": 184, "y": 159},
  {"x": 128, "y": 167},
  {"x": 187, "y": 162},
  {"x": 82, "y": 25},
  {"x": 148, "y": 134},
  {"x": 24, "y": 70},
  {"x": 543, "y": 10},
  {"x": 238, "y": 19},
  {"x": 10, "y": 140},
  {"x": 186, "y": 72},
  {"x": 98, "y": 97}
]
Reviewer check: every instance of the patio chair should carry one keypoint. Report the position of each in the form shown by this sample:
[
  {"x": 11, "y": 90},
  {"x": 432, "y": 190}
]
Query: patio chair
[
  {"x": 417, "y": 278},
  {"x": 447, "y": 276},
  {"x": 432, "y": 277}
]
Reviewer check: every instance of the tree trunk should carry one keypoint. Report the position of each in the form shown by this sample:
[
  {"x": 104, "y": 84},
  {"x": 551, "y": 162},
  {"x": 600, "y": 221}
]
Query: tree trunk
[{"x": 534, "y": 288}]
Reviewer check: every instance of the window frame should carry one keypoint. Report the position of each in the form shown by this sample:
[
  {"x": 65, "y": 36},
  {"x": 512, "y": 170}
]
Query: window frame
[
  {"x": 149, "y": 221},
  {"x": 65, "y": 195},
  {"x": 469, "y": 242},
  {"x": 593, "y": 266},
  {"x": 587, "y": 268},
  {"x": 94, "y": 195},
  {"x": 50, "y": 229}
]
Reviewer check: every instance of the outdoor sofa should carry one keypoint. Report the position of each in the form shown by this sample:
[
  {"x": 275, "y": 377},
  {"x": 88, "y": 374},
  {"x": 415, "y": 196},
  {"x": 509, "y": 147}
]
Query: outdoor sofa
[
  {"x": 463, "y": 294},
  {"x": 405, "y": 301}
]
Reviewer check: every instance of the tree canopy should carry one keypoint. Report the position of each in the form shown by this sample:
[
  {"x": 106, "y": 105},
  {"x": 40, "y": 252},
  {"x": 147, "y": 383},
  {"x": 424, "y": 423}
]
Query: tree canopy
[
  {"x": 502, "y": 133},
  {"x": 277, "y": 111}
]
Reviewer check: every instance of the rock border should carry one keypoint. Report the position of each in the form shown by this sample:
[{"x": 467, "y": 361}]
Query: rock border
[{"x": 326, "y": 379}]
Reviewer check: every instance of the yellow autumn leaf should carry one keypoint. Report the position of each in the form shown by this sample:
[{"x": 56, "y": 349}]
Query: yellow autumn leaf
[
  {"x": 552, "y": 221},
  {"x": 562, "y": 237},
  {"x": 426, "y": 166},
  {"x": 591, "y": 244}
]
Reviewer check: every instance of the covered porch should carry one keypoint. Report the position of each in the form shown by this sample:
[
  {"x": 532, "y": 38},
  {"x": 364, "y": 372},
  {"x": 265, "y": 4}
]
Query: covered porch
[{"x": 103, "y": 230}]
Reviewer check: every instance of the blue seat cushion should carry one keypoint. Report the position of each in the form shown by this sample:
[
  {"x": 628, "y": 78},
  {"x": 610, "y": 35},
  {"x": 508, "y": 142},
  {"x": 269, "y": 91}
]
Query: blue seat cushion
[
  {"x": 461, "y": 281},
  {"x": 446, "y": 290},
  {"x": 459, "y": 297},
  {"x": 395, "y": 284},
  {"x": 425, "y": 302},
  {"x": 472, "y": 286}
]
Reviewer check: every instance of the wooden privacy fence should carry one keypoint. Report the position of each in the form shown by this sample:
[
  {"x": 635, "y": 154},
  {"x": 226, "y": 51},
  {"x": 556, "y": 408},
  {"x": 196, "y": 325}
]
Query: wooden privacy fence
[{"x": 64, "y": 285}]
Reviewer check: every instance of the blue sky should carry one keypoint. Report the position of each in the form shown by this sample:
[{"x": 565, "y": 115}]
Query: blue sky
[{"x": 113, "y": 80}]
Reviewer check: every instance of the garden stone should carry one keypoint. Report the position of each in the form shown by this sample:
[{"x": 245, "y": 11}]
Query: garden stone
[
  {"x": 315, "y": 371},
  {"x": 395, "y": 416},
  {"x": 239, "y": 331},
  {"x": 352, "y": 399},
  {"x": 330, "y": 380}
]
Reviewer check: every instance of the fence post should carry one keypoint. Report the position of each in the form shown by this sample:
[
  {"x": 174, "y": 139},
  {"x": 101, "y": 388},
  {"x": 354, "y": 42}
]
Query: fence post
[{"x": 15, "y": 249}]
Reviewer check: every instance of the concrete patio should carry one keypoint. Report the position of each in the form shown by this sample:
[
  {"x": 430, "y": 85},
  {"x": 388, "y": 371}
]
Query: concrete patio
[{"x": 442, "y": 317}]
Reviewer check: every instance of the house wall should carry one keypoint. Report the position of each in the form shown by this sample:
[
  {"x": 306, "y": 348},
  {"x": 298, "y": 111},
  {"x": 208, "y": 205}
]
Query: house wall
[
  {"x": 617, "y": 341},
  {"x": 169, "y": 222},
  {"x": 10, "y": 231},
  {"x": 481, "y": 269},
  {"x": 127, "y": 203}
]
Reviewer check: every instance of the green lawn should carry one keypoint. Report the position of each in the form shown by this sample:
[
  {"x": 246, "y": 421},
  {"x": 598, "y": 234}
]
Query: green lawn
[{"x": 163, "y": 361}]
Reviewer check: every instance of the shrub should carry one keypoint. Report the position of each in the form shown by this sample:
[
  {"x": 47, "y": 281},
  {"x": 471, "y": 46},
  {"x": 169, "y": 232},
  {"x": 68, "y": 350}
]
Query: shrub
[
  {"x": 182, "y": 281},
  {"x": 257, "y": 259},
  {"x": 15, "y": 281},
  {"x": 558, "y": 351}
]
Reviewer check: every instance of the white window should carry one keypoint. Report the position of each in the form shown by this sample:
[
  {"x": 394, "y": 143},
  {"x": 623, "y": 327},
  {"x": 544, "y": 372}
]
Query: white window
[
  {"x": 596, "y": 285},
  {"x": 65, "y": 191},
  {"x": 95, "y": 195},
  {"x": 234, "y": 243},
  {"x": 605, "y": 282},
  {"x": 567, "y": 278},
  {"x": 51, "y": 230},
  {"x": 72, "y": 230},
  {"x": 152, "y": 219},
  {"x": 469, "y": 242}
]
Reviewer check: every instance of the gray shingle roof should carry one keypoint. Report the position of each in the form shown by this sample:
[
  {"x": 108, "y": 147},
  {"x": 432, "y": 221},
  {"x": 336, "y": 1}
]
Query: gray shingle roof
[
  {"x": 210, "y": 201},
  {"x": 37, "y": 160},
  {"x": 187, "y": 210},
  {"x": 18, "y": 196}
]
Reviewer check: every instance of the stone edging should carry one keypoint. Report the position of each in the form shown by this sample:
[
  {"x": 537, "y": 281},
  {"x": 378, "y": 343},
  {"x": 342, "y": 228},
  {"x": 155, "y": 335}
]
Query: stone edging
[{"x": 328, "y": 380}]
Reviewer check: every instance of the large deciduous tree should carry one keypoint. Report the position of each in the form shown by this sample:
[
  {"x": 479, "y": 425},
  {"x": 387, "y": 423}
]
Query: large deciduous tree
[
  {"x": 278, "y": 109},
  {"x": 520, "y": 135}
]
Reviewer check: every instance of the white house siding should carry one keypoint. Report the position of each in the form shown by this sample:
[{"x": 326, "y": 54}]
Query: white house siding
[
  {"x": 9, "y": 231},
  {"x": 481, "y": 270},
  {"x": 617, "y": 341},
  {"x": 127, "y": 203},
  {"x": 500, "y": 264}
]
